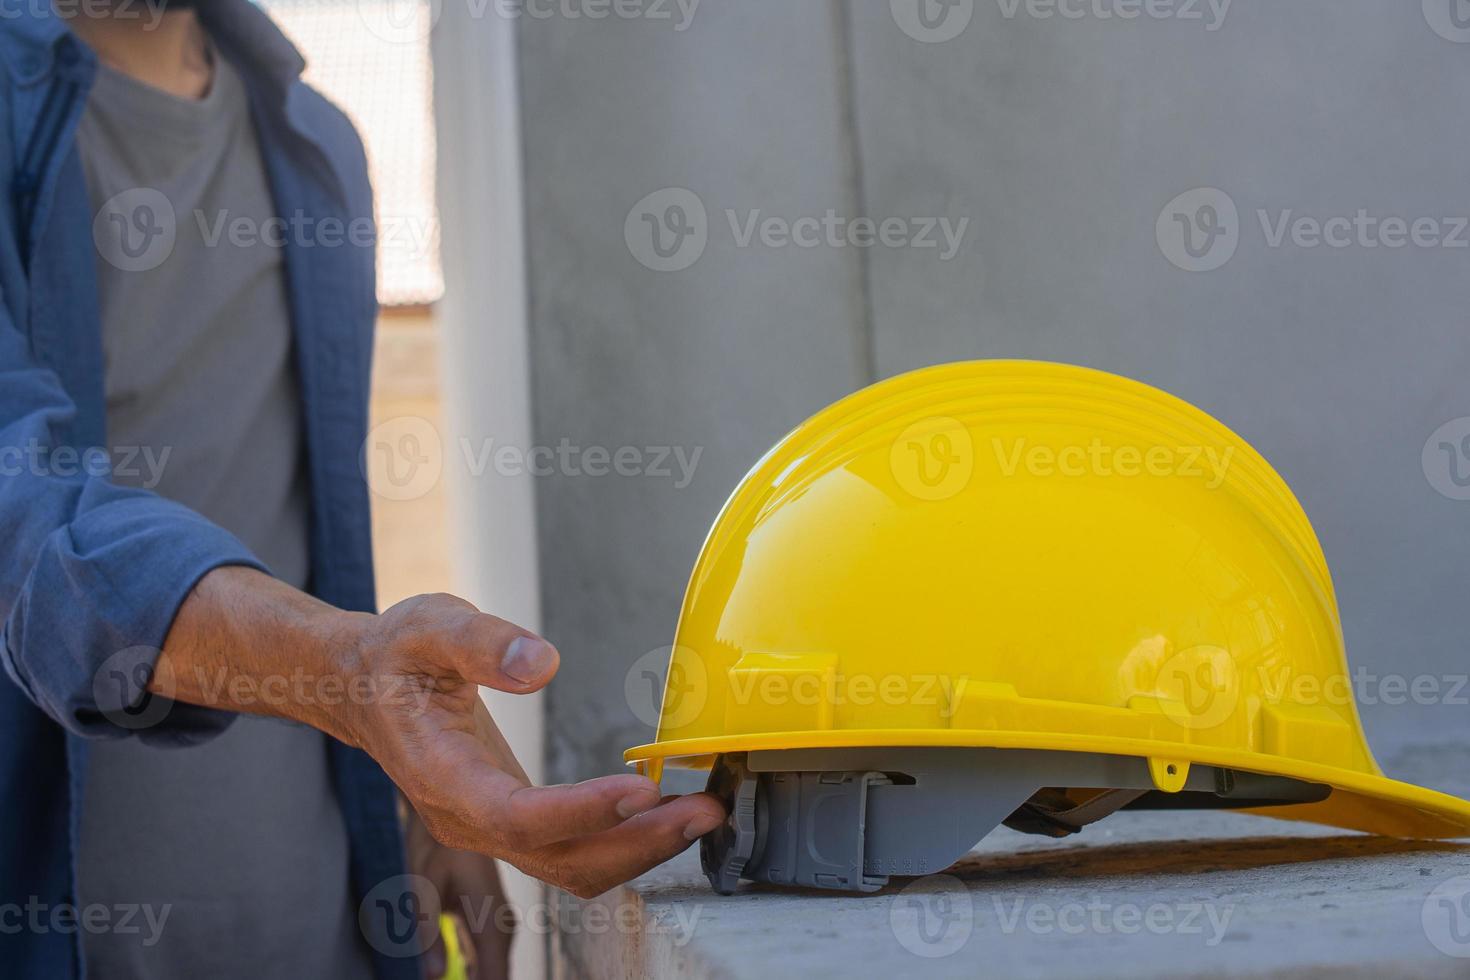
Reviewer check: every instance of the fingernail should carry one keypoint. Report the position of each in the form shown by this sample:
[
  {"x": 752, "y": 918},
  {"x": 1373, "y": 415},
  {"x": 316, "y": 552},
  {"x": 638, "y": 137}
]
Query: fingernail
[
  {"x": 636, "y": 802},
  {"x": 527, "y": 659},
  {"x": 702, "y": 825}
]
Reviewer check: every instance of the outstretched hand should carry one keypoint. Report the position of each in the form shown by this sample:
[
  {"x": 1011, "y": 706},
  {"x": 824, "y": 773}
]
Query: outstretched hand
[
  {"x": 421, "y": 664},
  {"x": 439, "y": 744}
]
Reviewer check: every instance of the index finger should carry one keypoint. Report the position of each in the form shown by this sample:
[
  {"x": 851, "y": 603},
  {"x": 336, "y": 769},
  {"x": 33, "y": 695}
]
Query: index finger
[
  {"x": 502, "y": 815},
  {"x": 589, "y": 866}
]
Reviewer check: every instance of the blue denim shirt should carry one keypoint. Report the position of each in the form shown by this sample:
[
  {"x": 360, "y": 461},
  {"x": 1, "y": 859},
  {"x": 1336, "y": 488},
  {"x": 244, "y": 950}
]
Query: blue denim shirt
[{"x": 90, "y": 569}]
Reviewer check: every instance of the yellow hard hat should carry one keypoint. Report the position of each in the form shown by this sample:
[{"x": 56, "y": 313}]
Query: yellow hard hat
[{"x": 1033, "y": 592}]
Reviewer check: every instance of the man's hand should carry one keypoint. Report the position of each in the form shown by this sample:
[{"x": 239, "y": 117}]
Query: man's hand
[{"x": 412, "y": 701}]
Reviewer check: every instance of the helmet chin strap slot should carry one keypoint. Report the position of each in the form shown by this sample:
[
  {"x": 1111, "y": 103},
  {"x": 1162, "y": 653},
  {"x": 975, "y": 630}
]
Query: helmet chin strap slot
[
  {"x": 1052, "y": 812},
  {"x": 848, "y": 819}
]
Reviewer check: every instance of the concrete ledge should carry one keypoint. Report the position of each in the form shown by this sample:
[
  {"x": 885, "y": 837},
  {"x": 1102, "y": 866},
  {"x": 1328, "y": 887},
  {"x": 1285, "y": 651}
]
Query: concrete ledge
[{"x": 1141, "y": 894}]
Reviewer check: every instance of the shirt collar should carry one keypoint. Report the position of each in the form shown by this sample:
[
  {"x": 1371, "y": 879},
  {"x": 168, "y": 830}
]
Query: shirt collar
[
  {"x": 34, "y": 38},
  {"x": 246, "y": 34}
]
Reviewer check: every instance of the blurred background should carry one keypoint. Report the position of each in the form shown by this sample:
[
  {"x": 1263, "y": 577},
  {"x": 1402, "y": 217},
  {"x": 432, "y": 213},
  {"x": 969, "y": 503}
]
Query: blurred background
[{"x": 665, "y": 232}]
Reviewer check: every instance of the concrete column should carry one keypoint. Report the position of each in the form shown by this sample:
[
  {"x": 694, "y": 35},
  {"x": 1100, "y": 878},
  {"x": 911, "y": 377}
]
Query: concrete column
[
  {"x": 744, "y": 111},
  {"x": 485, "y": 368}
]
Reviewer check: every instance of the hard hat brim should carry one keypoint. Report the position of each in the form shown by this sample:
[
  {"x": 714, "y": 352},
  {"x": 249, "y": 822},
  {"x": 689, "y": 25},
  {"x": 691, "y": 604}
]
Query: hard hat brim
[{"x": 1367, "y": 802}]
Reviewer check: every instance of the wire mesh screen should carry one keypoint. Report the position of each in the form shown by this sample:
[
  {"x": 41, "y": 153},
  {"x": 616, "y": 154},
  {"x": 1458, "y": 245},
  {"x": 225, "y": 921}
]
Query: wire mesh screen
[{"x": 371, "y": 57}]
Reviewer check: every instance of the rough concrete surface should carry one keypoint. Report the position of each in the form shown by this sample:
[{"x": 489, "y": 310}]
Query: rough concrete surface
[
  {"x": 1138, "y": 895},
  {"x": 697, "y": 371}
]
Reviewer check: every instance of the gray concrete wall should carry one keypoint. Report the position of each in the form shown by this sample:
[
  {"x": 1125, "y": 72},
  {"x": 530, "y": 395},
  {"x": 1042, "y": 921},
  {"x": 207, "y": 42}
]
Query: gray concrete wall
[
  {"x": 1061, "y": 140},
  {"x": 745, "y": 108}
]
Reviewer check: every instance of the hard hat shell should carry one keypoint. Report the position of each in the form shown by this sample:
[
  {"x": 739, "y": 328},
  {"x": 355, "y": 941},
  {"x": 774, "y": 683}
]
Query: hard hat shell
[{"x": 1011, "y": 554}]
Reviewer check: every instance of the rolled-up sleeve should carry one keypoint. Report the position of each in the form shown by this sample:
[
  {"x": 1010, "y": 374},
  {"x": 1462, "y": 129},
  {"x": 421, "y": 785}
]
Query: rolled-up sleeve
[{"x": 91, "y": 573}]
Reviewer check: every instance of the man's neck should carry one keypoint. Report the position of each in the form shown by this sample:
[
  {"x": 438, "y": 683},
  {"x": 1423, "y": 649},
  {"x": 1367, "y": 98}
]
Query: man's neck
[{"x": 169, "y": 51}]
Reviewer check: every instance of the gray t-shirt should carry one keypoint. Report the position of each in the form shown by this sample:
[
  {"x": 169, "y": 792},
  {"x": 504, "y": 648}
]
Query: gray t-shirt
[{"x": 239, "y": 842}]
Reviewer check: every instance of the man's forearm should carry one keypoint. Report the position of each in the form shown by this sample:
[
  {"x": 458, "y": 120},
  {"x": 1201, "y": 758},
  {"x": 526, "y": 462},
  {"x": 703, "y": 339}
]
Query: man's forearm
[
  {"x": 244, "y": 641},
  {"x": 405, "y": 687}
]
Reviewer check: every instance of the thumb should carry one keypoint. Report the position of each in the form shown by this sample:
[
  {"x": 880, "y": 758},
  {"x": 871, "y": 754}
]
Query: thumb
[{"x": 494, "y": 653}]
